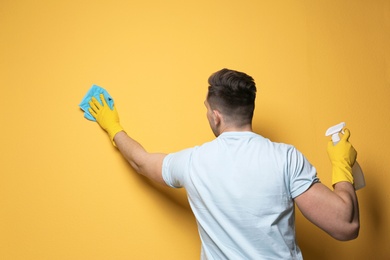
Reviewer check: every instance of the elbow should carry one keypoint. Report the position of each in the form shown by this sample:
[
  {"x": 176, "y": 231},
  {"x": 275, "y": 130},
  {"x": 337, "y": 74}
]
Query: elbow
[
  {"x": 354, "y": 233},
  {"x": 350, "y": 232}
]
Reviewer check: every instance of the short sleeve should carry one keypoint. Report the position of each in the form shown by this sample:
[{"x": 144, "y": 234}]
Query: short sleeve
[
  {"x": 176, "y": 167},
  {"x": 301, "y": 173}
]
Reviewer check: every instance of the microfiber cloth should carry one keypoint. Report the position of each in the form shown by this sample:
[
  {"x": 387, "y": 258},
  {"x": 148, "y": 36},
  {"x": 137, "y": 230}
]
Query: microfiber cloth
[{"x": 95, "y": 92}]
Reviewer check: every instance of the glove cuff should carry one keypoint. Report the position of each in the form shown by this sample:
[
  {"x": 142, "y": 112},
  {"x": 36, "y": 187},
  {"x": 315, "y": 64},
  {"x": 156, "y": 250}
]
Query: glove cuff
[
  {"x": 341, "y": 172},
  {"x": 113, "y": 130}
]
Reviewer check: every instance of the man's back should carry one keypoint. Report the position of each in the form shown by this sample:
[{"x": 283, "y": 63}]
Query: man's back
[{"x": 241, "y": 188}]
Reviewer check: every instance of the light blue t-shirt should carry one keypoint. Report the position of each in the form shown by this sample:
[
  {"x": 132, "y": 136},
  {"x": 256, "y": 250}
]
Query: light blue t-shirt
[{"x": 241, "y": 187}]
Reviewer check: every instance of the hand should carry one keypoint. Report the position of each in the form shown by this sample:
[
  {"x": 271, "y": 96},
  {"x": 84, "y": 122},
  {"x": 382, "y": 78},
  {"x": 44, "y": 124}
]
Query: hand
[
  {"x": 108, "y": 119},
  {"x": 343, "y": 157}
]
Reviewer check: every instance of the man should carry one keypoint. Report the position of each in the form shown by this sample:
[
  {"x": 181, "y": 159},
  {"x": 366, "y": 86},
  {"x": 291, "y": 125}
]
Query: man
[{"x": 241, "y": 186}]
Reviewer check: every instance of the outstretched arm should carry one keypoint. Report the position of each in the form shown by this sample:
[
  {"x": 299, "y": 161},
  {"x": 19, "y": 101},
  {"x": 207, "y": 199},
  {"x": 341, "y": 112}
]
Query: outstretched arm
[
  {"x": 337, "y": 211},
  {"x": 147, "y": 164}
]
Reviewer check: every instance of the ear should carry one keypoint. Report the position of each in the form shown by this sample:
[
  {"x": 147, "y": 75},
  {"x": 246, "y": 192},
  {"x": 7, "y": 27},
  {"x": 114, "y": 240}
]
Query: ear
[{"x": 217, "y": 117}]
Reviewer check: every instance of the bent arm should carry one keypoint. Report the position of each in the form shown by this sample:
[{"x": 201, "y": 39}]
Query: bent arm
[
  {"x": 147, "y": 164},
  {"x": 336, "y": 212}
]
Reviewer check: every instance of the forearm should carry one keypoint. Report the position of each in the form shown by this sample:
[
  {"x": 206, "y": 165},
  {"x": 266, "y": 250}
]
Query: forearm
[
  {"x": 147, "y": 164},
  {"x": 130, "y": 149},
  {"x": 348, "y": 208}
]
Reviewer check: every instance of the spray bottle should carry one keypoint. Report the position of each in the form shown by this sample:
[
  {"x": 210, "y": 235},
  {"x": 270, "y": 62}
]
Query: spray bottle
[{"x": 357, "y": 172}]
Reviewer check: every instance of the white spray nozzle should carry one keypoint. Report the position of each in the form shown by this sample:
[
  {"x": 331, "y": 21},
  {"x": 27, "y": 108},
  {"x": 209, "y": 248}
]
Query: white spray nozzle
[{"x": 334, "y": 132}]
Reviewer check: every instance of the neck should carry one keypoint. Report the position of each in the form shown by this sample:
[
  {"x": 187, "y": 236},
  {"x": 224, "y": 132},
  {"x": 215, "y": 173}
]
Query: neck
[{"x": 227, "y": 128}]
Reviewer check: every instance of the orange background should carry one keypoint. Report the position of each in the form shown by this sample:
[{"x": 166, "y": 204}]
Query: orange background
[{"x": 66, "y": 193}]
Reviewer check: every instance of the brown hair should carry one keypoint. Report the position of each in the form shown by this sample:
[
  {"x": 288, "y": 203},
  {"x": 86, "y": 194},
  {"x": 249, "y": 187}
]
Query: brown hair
[{"x": 233, "y": 93}]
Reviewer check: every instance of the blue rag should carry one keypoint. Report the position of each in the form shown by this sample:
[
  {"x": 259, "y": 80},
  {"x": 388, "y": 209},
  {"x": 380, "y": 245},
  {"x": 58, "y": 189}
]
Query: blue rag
[{"x": 95, "y": 92}]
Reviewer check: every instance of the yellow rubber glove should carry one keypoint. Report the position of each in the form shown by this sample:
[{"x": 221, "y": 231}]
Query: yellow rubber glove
[
  {"x": 108, "y": 119},
  {"x": 343, "y": 156}
]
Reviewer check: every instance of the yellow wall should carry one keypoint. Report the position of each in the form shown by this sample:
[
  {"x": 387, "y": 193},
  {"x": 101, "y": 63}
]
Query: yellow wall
[{"x": 66, "y": 193}]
